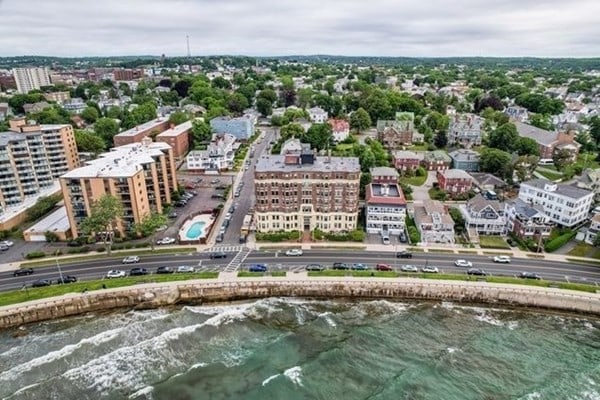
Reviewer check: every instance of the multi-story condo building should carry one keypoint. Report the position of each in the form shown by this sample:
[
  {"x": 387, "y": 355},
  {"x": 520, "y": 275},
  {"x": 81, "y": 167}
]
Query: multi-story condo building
[
  {"x": 433, "y": 222},
  {"x": 136, "y": 134},
  {"x": 59, "y": 97},
  {"x": 565, "y": 205},
  {"x": 465, "y": 130},
  {"x": 242, "y": 127},
  {"x": 31, "y": 78},
  {"x": 385, "y": 208},
  {"x": 141, "y": 175},
  {"x": 301, "y": 191},
  {"x": 178, "y": 137},
  {"x": 31, "y": 158}
]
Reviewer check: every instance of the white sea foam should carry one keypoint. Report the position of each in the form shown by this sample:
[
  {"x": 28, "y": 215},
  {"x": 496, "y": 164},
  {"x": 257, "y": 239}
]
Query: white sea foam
[
  {"x": 590, "y": 395},
  {"x": 145, "y": 391},
  {"x": 269, "y": 379},
  {"x": 327, "y": 316},
  {"x": 451, "y": 350},
  {"x": 23, "y": 389},
  {"x": 484, "y": 317},
  {"x": 67, "y": 350},
  {"x": 533, "y": 396},
  {"x": 294, "y": 374}
]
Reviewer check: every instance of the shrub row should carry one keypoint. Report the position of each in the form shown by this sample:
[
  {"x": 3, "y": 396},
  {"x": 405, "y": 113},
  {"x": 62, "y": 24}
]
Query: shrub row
[
  {"x": 559, "y": 241},
  {"x": 353, "y": 236},
  {"x": 278, "y": 236}
]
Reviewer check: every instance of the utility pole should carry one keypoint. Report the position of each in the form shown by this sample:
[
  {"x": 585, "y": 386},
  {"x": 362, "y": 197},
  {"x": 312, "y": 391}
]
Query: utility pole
[{"x": 58, "y": 266}]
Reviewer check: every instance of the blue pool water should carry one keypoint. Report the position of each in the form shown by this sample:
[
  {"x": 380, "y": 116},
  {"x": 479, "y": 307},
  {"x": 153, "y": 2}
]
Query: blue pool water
[{"x": 195, "y": 230}]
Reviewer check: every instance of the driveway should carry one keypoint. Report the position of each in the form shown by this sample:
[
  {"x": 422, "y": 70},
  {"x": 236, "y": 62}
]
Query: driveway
[{"x": 421, "y": 193}]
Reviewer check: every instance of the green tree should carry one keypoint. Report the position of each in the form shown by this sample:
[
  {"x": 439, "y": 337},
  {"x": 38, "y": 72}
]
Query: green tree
[
  {"x": 504, "y": 137},
  {"x": 292, "y": 130},
  {"x": 103, "y": 218},
  {"x": 221, "y": 83},
  {"x": 595, "y": 129},
  {"x": 268, "y": 94},
  {"x": 527, "y": 146},
  {"x": 360, "y": 120},
  {"x": 88, "y": 142},
  {"x": 496, "y": 162},
  {"x": 319, "y": 136},
  {"x": 441, "y": 139},
  {"x": 113, "y": 112},
  {"x": 144, "y": 112},
  {"x": 541, "y": 121},
  {"x": 178, "y": 118},
  {"x": 149, "y": 224},
  {"x": 237, "y": 103},
  {"x": 561, "y": 158},
  {"x": 106, "y": 128},
  {"x": 90, "y": 114},
  {"x": 264, "y": 106},
  {"x": 201, "y": 132}
]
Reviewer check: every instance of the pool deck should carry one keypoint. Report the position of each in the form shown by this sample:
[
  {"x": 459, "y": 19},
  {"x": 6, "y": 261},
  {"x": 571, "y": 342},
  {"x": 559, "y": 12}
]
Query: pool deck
[{"x": 208, "y": 219}]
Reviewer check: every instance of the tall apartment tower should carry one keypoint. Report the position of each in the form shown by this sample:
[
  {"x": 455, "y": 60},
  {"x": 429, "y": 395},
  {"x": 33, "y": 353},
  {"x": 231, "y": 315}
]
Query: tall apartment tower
[
  {"x": 31, "y": 78},
  {"x": 141, "y": 176}
]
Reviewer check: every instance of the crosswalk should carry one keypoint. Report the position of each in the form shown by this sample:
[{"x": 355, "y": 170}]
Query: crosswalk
[
  {"x": 236, "y": 261},
  {"x": 244, "y": 266},
  {"x": 224, "y": 248}
]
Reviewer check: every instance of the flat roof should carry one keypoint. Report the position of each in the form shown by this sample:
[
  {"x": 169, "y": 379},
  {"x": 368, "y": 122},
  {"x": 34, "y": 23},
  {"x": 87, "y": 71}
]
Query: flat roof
[
  {"x": 177, "y": 130},
  {"x": 270, "y": 163},
  {"x": 12, "y": 211},
  {"x": 143, "y": 127},
  {"x": 58, "y": 221}
]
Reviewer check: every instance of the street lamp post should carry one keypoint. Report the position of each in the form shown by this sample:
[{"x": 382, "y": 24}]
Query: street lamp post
[{"x": 58, "y": 266}]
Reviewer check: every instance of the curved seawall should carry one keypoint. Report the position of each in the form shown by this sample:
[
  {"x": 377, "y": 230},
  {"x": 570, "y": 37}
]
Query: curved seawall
[{"x": 157, "y": 295}]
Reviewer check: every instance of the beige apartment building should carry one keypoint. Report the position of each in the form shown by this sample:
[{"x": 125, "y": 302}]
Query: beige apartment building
[
  {"x": 301, "y": 191},
  {"x": 28, "y": 79},
  {"x": 32, "y": 157},
  {"x": 141, "y": 175}
]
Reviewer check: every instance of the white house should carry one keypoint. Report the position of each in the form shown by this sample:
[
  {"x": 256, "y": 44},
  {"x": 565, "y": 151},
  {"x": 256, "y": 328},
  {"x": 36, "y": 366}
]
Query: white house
[
  {"x": 218, "y": 156},
  {"x": 565, "y": 205},
  {"x": 433, "y": 222},
  {"x": 385, "y": 208},
  {"x": 340, "y": 129},
  {"x": 318, "y": 115},
  {"x": 483, "y": 216},
  {"x": 592, "y": 232}
]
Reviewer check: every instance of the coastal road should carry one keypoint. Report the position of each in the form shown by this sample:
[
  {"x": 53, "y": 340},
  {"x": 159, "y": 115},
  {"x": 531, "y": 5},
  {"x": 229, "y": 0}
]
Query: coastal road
[{"x": 276, "y": 260}]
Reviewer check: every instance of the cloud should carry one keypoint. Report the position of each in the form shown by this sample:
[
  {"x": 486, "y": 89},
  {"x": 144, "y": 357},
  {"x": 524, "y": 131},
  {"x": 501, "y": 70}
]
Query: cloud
[{"x": 266, "y": 27}]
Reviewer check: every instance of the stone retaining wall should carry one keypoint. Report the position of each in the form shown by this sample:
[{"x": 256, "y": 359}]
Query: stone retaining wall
[{"x": 157, "y": 295}]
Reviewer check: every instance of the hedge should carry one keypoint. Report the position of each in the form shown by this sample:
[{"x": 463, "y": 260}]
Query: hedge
[
  {"x": 559, "y": 241},
  {"x": 354, "y": 236},
  {"x": 278, "y": 236},
  {"x": 35, "y": 254}
]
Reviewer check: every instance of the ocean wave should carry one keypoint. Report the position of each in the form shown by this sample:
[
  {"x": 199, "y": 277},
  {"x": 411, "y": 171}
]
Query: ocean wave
[
  {"x": 294, "y": 374},
  {"x": 67, "y": 350},
  {"x": 22, "y": 390},
  {"x": 269, "y": 379},
  {"x": 327, "y": 316},
  {"x": 145, "y": 391}
]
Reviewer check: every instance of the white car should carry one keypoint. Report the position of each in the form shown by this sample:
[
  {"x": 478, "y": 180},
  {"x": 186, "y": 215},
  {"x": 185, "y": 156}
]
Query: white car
[
  {"x": 116, "y": 273},
  {"x": 463, "y": 263},
  {"x": 501, "y": 259},
  {"x": 429, "y": 269},
  {"x": 409, "y": 268},
  {"x": 131, "y": 260},
  {"x": 6, "y": 243},
  {"x": 185, "y": 269},
  {"x": 293, "y": 252},
  {"x": 166, "y": 240}
]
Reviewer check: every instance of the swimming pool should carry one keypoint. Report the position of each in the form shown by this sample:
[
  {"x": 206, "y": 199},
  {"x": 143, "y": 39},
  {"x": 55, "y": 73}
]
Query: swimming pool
[{"x": 196, "y": 230}]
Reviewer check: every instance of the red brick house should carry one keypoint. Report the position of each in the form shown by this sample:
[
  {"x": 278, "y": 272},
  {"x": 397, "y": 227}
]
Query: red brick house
[
  {"x": 406, "y": 160},
  {"x": 454, "y": 181}
]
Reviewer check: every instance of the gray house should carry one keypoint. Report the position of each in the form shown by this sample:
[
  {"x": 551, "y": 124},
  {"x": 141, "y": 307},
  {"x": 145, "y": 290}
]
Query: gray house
[{"x": 467, "y": 160}]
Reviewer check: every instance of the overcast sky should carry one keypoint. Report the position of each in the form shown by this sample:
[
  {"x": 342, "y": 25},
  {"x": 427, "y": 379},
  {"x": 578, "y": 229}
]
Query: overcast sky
[{"x": 545, "y": 28}]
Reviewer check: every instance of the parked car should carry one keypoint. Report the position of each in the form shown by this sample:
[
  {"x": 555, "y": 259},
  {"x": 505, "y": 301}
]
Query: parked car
[
  {"x": 23, "y": 271},
  {"x": 66, "y": 279},
  {"x": 293, "y": 252},
  {"x": 409, "y": 268},
  {"x": 430, "y": 270},
  {"x": 41, "y": 283},
  {"x": 231, "y": 209},
  {"x": 476, "y": 271},
  {"x": 403, "y": 254},
  {"x": 173, "y": 214},
  {"x": 339, "y": 265},
  {"x": 220, "y": 237},
  {"x": 4, "y": 247},
  {"x": 138, "y": 271},
  {"x": 243, "y": 239},
  {"x": 115, "y": 273},
  {"x": 463, "y": 263},
  {"x": 258, "y": 268},
  {"x": 185, "y": 269},
  {"x": 218, "y": 254},
  {"x": 402, "y": 237},
  {"x": 166, "y": 240},
  {"x": 215, "y": 181},
  {"x": 385, "y": 240},
  {"x": 529, "y": 275},
  {"x": 501, "y": 259},
  {"x": 217, "y": 196},
  {"x": 179, "y": 204},
  {"x": 315, "y": 267},
  {"x": 131, "y": 260},
  {"x": 383, "y": 267},
  {"x": 8, "y": 243},
  {"x": 164, "y": 270},
  {"x": 237, "y": 193},
  {"x": 359, "y": 267}
]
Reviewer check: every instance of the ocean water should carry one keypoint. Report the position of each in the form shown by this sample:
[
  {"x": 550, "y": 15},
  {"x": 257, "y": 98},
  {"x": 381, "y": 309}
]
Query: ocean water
[{"x": 302, "y": 349}]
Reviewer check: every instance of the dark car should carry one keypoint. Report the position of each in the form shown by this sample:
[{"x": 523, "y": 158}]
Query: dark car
[
  {"x": 41, "y": 283},
  {"x": 138, "y": 271},
  {"x": 339, "y": 265},
  {"x": 217, "y": 196},
  {"x": 476, "y": 271},
  {"x": 258, "y": 268},
  {"x": 179, "y": 204},
  {"x": 315, "y": 267},
  {"x": 383, "y": 267},
  {"x": 529, "y": 275},
  {"x": 403, "y": 254},
  {"x": 23, "y": 271},
  {"x": 173, "y": 214},
  {"x": 243, "y": 238},
  {"x": 218, "y": 254},
  {"x": 66, "y": 279},
  {"x": 164, "y": 270},
  {"x": 231, "y": 209}
]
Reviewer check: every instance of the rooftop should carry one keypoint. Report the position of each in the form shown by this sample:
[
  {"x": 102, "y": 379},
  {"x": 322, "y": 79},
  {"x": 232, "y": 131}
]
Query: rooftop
[
  {"x": 437, "y": 155},
  {"x": 464, "y": 155},
  {"x": 270, "y": 163},
  {"x": 541, "y": 136},
  {"x": 120, "y": 162},
  {"x": 384, "y": 171},
  {"x": 58, "y": 221},
  {"x": 143, "y": 127},
  {"x": 7, "y": 137},
  {"x": 385, "y": 194},
  {"x": 479, "y": 202},
  {"x": 405, "y": 154},
  {"x": 570, "y": 191},
  {"x": 525, "y": 209},
  {"x": 177, "y": 130},
  {"x": 455, "y": 174}
]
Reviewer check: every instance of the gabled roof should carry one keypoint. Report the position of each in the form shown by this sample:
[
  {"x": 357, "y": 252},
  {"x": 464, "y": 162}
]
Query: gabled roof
[
  {"x": 541, "y": 136},
  {"x": 455, "y": 174},
  {"x": 407, "y": 155},
  {"x": 525, "y": 209},
  {"x": 384, "y": 171},
  {"x": 478, "y": 203},
  {"x": 486, "y": 179}
]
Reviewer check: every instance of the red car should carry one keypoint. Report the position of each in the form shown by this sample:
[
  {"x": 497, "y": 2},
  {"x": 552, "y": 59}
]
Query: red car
[{"x": 383, "y": 267}]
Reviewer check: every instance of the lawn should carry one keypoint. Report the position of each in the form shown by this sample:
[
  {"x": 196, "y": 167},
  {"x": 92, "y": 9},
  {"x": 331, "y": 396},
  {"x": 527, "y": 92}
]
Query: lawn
[
  {"x": 415, "y": 180},
  {"x": 585, "y": 250},
  {"x": 418, "y": 147},
  {"x": 19, "y": 296},
  {"x": 587, "y": 160},
  {"x": 493, "y": 242},
  {"x": 553, "y": 176}
]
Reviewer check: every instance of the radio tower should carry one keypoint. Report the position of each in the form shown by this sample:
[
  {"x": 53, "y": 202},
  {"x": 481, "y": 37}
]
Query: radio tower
[{"x": 187, "y": 38}]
